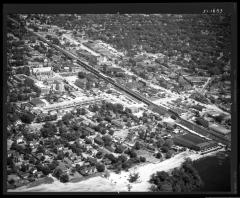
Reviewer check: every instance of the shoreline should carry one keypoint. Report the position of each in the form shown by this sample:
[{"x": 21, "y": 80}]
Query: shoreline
[{"x": 117, "y": 182}]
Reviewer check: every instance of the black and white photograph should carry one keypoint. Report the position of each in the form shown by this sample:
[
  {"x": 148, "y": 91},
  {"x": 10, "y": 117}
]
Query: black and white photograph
[{"x": 119, "y": 102}]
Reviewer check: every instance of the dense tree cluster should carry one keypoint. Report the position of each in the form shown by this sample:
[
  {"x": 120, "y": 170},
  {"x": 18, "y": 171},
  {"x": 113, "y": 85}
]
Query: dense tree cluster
[
  {"x": 133, "y": 177},
  {"x": 27, "y": 117},
  {"x": 183, "y": 179},
  {"x": 204, "y": 37},
  {"x": 48, "y": 130}
]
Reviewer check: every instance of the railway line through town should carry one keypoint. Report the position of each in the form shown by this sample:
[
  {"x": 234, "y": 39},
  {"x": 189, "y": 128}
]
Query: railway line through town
[{"x": 157, "y": 108}]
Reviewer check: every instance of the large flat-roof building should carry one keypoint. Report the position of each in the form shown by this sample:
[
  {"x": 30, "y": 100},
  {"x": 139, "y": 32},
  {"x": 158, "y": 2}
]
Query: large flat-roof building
[
  {"x": 42, "y": 73},
  {"x": 219, "y": 129},
  {"x": 37, "y": 102},
  {"x": 194, "y": 142}
]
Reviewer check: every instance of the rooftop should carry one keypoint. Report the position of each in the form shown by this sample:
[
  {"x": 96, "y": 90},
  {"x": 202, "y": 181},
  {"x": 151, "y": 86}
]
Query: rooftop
[
  {"x": 219, "y": 129},
  {"x": 42, "y": 69},
  {"x": 36, "y": 101}
]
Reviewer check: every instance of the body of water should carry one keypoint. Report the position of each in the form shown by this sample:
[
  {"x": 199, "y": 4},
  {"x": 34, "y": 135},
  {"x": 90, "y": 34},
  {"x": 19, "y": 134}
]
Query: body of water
[{"x": 215, "y": 172}]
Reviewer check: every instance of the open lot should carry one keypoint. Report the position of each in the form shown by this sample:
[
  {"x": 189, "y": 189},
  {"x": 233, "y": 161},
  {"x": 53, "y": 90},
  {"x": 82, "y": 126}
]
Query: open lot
[
  {"x": 148, "y": 155},
  {"x": 121, "y": 133}
]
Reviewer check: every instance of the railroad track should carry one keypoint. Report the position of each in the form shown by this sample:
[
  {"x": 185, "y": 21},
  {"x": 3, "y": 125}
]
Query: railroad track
[{"x": 90, "y": 68}]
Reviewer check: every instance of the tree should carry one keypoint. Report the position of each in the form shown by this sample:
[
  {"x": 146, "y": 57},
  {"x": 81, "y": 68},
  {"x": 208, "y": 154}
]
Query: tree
[
  {"x": 122, "y": 158},
  {"x": 99, "y": 154},
  {"x": 219, "y": 118},
  {"x": 48, "y": 130},
  {"x": 108, "y": 118},
  {"x": 166, "y": 187},
  {"x": 160, "y": 142},
  {"x": 182, "y": 179},
  {"x": 13, "y": 117},
  {"x": 142, "y": 159},
  {"x": 164, "y": 149},
  {"x": 64, "y": 178},
  {"x": 103, "y": 131},
  {"x": 55, "y": 41},
  {"x": 100, "y": 167},
  {"x": 66, "y": 118},
  {"x": 111, "y": 157},
  {"x": 159, "y": 155},
  {"x": 153, "y": 188},
  {"x": 169, "y": 154},
  {"x": 107, "y": 140},
  {"x": 128, "y": 111},
  {"x": 57, "y": 173},
  {"x": 88, "y": 141},
  {"x": 111, "y": 132},
  {"x": 81, "y": 111},
  {"x": 66, "y": 154},
  {"x": 137, "y": 145},
  {"x": 119, "y": 149},
  {"x": 141, "y": 135},
  {"x": 73, "y": 170},
  {"x": 24, "y": 167},
  {"x": 13, "y": 97},
  {"x": 168, "y": 143},
  {"x": 84, "y": 134},
  {"x": 99, "y": 119},
  {"x": 40, "y": 149},
  {"x": 81, "y": 75},
  {"x": 78, "y": 168},
  {"x": 93, "y": 108},
  {"x": 119, "y": 107},
  {"x": 133, "y": 177},
  {"x": 92, "y": 161},
  {"x": 202, "y": 122},
  {"x": 60, "y": 156},
  {"x": 132, "y": 153},
  {"x": 88, "y": 85},
  {"x": 27, "y": 117},
  {"x": 46, "y": 170}
]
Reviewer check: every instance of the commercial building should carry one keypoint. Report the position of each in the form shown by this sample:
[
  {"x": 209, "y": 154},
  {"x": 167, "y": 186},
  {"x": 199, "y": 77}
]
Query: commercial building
[
  {"x": 88, "y": 56},
  {"x": 134, "y": 109},
  {"x": 42, "y": 72},
  {"x": 219, "y": 129},
  {"x": 37, "y": 102},
  {"x": 51, "y": 80},
  {"x": 193, "y": 142},
  {"x": 115, "y": 70}
]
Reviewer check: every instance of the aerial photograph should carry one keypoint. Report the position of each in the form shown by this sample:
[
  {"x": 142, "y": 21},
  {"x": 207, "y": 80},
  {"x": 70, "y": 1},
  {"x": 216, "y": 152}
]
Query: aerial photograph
[{"x": 118, "y": 102}]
